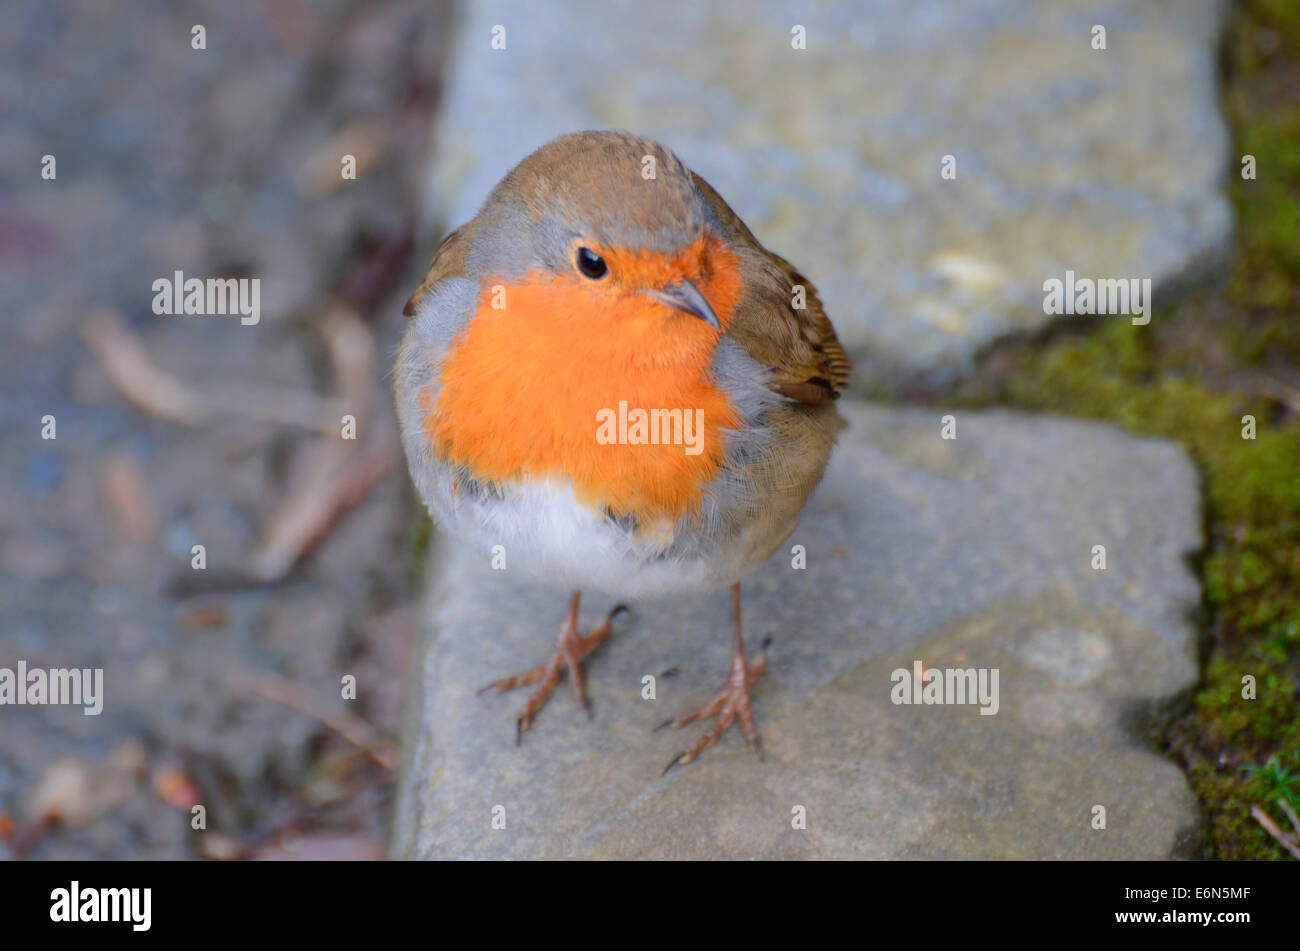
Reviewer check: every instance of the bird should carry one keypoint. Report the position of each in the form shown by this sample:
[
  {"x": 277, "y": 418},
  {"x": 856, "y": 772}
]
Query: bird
[{"x": 605, "y": 372}]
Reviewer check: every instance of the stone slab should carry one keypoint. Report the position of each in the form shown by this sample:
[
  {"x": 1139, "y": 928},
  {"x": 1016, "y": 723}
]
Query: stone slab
[
  {"x": 1105, "y": 162},
  {"x": 973, "y": 553}
]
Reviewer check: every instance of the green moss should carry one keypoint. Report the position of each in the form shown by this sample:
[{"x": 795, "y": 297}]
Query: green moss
[{"x": 1190, "y": 376}]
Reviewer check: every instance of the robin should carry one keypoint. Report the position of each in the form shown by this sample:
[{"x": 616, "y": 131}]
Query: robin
[{"x": 607, "y": 374}]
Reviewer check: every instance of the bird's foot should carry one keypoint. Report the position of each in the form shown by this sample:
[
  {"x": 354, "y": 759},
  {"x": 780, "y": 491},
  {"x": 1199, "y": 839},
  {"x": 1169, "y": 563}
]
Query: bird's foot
[
  {"x": 732, "y": 704},
  {"x": 571, "y": 649}
]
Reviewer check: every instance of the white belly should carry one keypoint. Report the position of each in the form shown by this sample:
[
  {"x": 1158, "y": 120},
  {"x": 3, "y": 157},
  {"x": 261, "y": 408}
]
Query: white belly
[{"x": 544, "y": 532}]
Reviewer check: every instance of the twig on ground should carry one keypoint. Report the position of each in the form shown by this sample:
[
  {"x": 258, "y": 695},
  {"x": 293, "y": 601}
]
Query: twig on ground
[
  {"x": 128, "y": 366},
  {"x": 1287, "y": 841},
  {"x": 289, "y": 694},
  {"x": 335, "y": 475},
  {"x": 121, "y": 353},
  {"x": 1290, "y": 814},
  {"x": 1278, "y": 391}
]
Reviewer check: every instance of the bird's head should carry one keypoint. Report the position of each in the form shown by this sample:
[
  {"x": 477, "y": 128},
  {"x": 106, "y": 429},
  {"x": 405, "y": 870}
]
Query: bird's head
[{"x": 615, "y": 223}]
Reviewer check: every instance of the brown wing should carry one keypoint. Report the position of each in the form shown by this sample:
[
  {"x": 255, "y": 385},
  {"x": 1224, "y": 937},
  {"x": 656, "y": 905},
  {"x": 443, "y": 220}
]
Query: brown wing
[
  {"x": 808, "y": 362},
  {"x": 448, "y": 261}
]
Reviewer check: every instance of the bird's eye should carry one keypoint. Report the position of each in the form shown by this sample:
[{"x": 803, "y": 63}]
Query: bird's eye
[{"x": 590, "y": 263}]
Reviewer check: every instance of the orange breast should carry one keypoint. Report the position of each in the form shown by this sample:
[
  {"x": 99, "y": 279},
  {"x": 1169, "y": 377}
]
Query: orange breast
[{"x": 526, "y": 388}]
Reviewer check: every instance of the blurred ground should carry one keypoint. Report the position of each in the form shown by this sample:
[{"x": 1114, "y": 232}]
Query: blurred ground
[{"x": 223, "y": 685}]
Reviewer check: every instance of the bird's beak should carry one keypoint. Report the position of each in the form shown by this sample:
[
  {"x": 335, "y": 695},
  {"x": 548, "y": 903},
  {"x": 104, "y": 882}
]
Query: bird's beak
[{"x": 686, "y": 296}]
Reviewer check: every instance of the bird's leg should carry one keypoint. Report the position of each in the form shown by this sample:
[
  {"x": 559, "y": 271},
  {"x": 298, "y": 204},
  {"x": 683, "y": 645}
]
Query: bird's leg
[
  {"x": 732, "y": 704},
  {"x": 571, "y": 649}
]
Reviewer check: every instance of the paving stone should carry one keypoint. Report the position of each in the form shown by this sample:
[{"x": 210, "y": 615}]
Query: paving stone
[
  {"x": 1104, "y": 162},
  {"x": 968, "y": 553}
]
